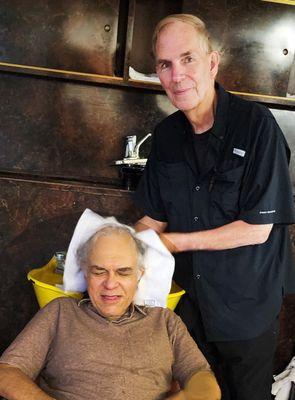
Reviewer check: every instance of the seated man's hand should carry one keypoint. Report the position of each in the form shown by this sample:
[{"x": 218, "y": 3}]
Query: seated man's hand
[
  {"x": 177, "y": 396},
  {"x": 201, "y": 386}
]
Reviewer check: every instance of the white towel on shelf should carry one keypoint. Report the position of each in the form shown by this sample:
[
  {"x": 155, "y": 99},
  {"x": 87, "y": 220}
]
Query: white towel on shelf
[
  {"x": 282, "y": 385},
  {"x": 139, "y": 76},
  {"x": 155, "y": 283}
]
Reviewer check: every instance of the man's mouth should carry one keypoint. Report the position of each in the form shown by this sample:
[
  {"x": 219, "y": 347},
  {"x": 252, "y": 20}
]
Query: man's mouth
[
  {"x": 180, "y": 92},
  {"x": 110, "y": 298}
]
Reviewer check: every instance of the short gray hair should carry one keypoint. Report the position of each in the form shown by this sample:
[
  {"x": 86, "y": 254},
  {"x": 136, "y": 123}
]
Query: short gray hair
[
  {"x": 190, "y": 19},
  {"x": 84, "y": 249}
]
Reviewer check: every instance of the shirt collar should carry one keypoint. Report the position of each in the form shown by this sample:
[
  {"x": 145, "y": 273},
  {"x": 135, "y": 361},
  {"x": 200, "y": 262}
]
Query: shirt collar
[
  {"x": 218, "y": 129},
  {"x": 128, "y": 315},
  {"x": 221, "y": 115}
]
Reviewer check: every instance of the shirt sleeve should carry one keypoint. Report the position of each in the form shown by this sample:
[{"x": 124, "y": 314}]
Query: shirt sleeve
[
  {"x": 29, "y": 350},
  {"x": 266, "y": 194},
  {"x": 147, "y": 196},
  {"x": 188, "y": 358}
]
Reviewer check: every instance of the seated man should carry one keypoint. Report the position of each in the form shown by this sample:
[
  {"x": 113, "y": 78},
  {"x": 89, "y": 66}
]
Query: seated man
[{"x": 105, "y": 347}]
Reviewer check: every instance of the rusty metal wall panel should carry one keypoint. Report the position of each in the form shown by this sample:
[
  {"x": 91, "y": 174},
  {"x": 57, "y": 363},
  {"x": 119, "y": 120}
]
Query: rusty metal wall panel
[
  {"x": 286, "y": 120},
  {"x": 37, "y": 219},
  {"x": 54, "y": 128},
  {"x": 256, "y": 41},
  {"x": 69, "y": 35},
  {"x": 147, "y": 15}
]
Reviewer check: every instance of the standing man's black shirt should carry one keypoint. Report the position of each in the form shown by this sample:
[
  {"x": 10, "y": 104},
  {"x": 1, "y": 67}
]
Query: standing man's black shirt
[
  {"x": 246, "y": 178},
  {"x": 200, "y": 143}
]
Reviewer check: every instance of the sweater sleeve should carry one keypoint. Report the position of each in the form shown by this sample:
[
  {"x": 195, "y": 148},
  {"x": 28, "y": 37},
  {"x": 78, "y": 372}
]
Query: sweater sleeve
[
  {"x": 29, "y": 350},
  {"x": 187, "y": 357}
]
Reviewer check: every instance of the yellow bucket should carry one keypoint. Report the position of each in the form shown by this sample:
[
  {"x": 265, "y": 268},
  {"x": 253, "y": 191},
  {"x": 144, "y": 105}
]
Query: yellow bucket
[
  {"x": 44, "y": 280},
  {"x": 174, "y": 296}
]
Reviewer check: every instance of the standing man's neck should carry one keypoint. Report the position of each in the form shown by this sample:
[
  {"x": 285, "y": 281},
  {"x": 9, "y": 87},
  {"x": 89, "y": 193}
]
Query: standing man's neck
[{"x": 202, "y": 117}]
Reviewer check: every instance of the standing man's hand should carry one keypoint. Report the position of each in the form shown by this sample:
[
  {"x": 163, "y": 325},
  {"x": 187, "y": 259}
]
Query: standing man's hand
[{"x": 172, "y": 241}]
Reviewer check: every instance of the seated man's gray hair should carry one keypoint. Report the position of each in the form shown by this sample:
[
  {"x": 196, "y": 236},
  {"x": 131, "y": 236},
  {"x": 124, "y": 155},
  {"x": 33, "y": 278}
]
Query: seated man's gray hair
[{"x": 84, "y": 249}]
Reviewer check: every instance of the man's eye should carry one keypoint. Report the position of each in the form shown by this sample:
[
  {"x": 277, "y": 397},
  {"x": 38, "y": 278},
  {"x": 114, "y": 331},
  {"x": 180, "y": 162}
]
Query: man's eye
[
  {"x": 188, "y": 59},
  {"x": 98, "y": 272},
  {"x": 163, "y": 66},
  {"x": 124, "y": 272}
]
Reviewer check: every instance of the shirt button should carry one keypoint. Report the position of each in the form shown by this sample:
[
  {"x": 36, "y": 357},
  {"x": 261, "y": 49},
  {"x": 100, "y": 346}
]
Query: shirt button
[
  {"x": 198, "y": 276},
  {"x": 196, "y": 219},
  {"x": 197, "y": 188}
]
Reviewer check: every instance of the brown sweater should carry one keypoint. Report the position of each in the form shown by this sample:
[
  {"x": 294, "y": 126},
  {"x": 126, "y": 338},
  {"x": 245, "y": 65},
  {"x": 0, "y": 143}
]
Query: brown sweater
[{"x": 78, "y": 355}]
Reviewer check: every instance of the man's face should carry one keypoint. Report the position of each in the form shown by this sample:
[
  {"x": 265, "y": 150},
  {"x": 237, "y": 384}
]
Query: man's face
[
  {"x": 186, "y": 71},
  {"x": 112, "y": 274}
]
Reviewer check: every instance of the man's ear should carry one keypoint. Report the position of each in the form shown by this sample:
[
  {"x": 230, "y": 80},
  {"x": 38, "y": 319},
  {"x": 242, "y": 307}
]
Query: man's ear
[
  {"x": 85, "y": 273},
  {"x": 214, "y": 63},
  {"x": 140, "y": 274}
]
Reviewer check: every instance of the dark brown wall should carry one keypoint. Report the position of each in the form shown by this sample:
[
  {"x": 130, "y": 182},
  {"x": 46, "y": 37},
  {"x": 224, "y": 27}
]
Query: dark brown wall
[
  {"x": 68, "y": 34},
  {"x": 71, "y": 130},
  {"x": 58, "y": 137},
  {"x": 251, "y": 37}
]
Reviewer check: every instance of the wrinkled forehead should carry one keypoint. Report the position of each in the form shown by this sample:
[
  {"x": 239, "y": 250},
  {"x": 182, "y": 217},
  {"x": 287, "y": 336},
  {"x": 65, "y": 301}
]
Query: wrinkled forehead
[
  {"x": 177, "y": 37},
  {"x": 117, "y": 246}
]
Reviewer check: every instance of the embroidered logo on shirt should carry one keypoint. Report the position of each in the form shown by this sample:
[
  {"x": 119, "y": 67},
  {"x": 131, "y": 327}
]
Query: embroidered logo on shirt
[
  {"x": 149, "y": 302},
  {"x": 267, "y": 212},
  {"x": 239, "y": 152}
]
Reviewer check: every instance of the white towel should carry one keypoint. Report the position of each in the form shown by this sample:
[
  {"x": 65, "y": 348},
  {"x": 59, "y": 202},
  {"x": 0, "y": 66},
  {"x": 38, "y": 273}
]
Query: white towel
[
  {"x": 282, "y": 385},
  {"x": 155, "y": 283}
]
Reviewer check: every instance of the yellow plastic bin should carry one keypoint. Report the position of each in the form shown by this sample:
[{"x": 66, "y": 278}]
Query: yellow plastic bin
[
  {"x": 174, "y": 296},
  {"x": 44, "y": 280}
]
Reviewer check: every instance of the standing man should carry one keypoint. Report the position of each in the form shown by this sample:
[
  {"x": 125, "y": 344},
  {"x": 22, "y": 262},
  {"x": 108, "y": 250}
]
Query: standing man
[{"x": 217, "y": 189}]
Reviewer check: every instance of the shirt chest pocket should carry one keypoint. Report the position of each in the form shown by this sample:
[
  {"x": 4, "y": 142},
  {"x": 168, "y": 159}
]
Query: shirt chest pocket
[
  {"x": 225, "y": 193},
  {"x": 173, "y": 184}
]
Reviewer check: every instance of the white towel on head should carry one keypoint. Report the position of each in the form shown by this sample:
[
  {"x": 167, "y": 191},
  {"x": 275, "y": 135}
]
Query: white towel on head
[{"x": 155, "y": 283}]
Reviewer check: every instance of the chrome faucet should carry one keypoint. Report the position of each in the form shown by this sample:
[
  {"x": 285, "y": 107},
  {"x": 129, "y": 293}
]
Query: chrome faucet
[
  {"x": 135, "y": 152},
  {"x": 132, "y": 151}
]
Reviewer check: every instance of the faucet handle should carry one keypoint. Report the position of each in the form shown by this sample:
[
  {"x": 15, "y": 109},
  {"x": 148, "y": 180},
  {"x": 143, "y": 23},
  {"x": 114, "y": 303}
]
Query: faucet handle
[{"x": 130, "y": 145}]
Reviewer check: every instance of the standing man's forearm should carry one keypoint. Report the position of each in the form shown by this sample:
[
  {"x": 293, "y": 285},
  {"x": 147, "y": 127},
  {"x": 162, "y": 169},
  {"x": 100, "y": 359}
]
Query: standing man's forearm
[
  {"x": 230, "y": 236},
  {"x": 15, "y": 385}
]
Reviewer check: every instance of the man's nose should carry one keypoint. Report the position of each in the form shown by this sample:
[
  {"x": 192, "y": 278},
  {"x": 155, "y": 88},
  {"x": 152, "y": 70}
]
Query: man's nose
[
  {"x": 111, "y": 281},
  {"x": 177, "y": 72}
]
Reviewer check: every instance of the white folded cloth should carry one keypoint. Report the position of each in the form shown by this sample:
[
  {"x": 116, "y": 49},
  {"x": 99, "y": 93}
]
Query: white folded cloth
[
  {"x": 139, "y": 76},
  {"x": 155, "y": 283},
  {"x": 282, "y": 385}
]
